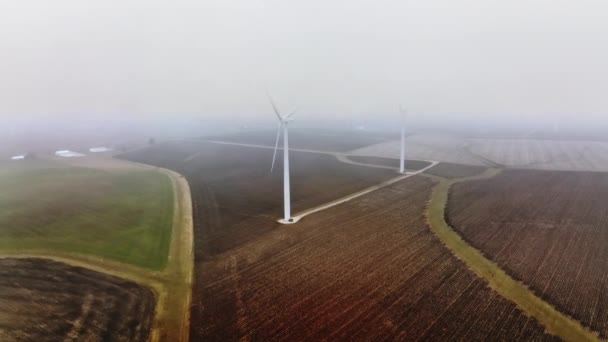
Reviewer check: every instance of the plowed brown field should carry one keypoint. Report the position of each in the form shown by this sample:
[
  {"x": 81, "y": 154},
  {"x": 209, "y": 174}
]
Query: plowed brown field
[
  {"x": 44, "y": 300},
  {"x": 368, "y": 269},
  {"x": 548, "y": 229}
]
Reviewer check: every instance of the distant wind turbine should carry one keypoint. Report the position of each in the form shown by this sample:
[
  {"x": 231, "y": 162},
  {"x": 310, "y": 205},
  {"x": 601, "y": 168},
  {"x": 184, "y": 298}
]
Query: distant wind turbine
[
  {"x": 402, "y": 160},
  {"x": 283, "y": 123}
]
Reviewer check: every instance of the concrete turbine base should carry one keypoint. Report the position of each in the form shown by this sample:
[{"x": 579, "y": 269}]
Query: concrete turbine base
[{"x": 292, "y": 220}]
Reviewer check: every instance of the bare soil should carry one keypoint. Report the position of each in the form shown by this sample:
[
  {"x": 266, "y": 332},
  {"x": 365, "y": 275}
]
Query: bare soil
[
  {"x": 240, "y": 199},
  {"x": 548, "y": 229},
  {"x": 44, "y": 300},
  {"x": 369, "y": 268}
]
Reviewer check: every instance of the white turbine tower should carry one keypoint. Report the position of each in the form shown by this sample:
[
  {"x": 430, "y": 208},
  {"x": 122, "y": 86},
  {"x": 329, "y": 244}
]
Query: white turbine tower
[
  {"x": 283, "y": 123},
  {"x": 402, "y": 159}
]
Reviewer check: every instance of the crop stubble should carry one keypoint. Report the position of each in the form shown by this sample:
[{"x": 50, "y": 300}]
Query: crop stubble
[
  {"x": 369, "y": 268},
  {"x": 44, "y": 300},
  {"x": 545, "y": 228}
]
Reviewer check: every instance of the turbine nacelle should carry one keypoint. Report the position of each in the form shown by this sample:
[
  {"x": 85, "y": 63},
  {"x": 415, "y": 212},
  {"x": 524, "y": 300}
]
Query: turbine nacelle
[
  {"x": 403, "y": 112},
  {"x": 282, "y": 118},
  {"x": 288, "y": 117}
]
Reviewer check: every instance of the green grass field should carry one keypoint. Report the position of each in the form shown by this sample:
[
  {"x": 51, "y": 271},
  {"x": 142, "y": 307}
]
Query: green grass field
[{"x": 124, "y": 214}]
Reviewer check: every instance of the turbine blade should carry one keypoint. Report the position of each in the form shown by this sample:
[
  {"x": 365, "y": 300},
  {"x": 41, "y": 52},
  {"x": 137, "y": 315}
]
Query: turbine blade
[
  {"x": 276, "y": 146},
  {"x": 274, "y": 106}
]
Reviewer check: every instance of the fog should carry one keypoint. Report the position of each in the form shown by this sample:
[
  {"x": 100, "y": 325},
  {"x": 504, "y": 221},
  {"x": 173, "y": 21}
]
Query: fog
[
  {"x": 72, "y": 57},
  {"x": 144, "y": 180},
  {"x": 469, "y": 63}
]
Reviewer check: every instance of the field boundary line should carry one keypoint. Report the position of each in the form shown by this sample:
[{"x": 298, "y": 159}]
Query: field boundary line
[
  {"x": 341, "y": 156},
  {"x": 267, "y": 147},
  {"x": 143, "y": 277},
  {"x": 554, "y": 321},
  {"x": 172, "y": 318},
  {"x": 344, "y": 158}
]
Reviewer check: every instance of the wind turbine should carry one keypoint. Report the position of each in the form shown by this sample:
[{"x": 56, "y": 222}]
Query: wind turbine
[
  {"x": 284, "y": 121},
  {"x": 402, "y": 160}
]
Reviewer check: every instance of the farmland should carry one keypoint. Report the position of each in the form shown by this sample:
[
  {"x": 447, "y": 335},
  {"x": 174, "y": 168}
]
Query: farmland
[
  {"x": 452, "y": 171},
  {"x": 547, "y": 229},
  {"x": 567, "y": 155},
  {"x": 336, "y": 141},
  {"x": 544, "y": 154},
  {"x": 443, "y": 148},
  {"x": 124, "y": 214},
  {"x": 111, "y": 217},
  {"x": 44, "y": 300},
  {"x": 235, "y": 190},
  {"x": 369, "y": 268},
  {"x": 412, "y": 165}
]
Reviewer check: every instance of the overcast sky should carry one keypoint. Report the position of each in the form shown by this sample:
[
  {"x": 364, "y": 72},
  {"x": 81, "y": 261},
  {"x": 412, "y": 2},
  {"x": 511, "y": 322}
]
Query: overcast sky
[{"x": 515, "y": 58}]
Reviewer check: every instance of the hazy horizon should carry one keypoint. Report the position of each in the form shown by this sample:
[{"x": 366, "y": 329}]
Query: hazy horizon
[{"x": 470, "y": 60}]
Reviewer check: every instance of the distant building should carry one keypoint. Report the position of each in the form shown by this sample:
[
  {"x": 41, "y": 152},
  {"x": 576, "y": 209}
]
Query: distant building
[
  {"x": 99, "y": 149},
  {"x": 21, "y": 157},
  {"x": 68, "y": 154}
]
